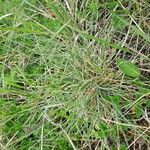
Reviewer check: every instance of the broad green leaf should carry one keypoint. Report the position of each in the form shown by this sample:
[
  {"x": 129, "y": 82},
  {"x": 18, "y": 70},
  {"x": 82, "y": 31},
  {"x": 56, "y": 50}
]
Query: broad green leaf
[
  {"x": 123, "y": 146},
  {"x": 128, "y": 68},
  {"x": 138, "y": 110},
  {"x": 115, "y": 99},
  {"x": 148, "y": 103}
]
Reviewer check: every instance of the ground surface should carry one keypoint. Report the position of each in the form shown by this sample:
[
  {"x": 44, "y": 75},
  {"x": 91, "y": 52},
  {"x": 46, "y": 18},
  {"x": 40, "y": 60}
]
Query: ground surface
[{"x": 75, "y": 74}]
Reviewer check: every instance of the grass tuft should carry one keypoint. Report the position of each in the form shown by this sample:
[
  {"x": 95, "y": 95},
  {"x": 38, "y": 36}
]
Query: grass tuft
[{"x": 74, "y": 75}]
